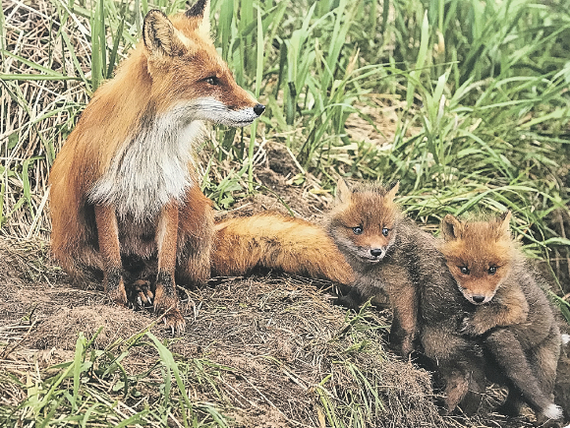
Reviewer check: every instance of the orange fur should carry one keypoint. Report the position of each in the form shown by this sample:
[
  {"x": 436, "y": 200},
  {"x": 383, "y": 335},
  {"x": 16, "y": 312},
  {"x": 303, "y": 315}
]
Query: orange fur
[
  {"x": 272, "y": 240},
  {"x": 123, "y": 184}
]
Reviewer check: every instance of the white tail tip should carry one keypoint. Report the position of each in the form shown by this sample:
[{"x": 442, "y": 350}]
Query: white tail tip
[
  {"x": 553, "y": 412},
  {"x": 565, "y": 341}
]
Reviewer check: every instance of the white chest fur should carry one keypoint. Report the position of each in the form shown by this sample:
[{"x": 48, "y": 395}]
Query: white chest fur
[{"x": 151, "y": 168}]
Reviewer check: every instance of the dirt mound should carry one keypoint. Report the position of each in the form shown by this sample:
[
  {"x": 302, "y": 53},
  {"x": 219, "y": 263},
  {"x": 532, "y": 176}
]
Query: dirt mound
[
  {"x": 286, "y": 341},
  {"x": 267, "y": 351},
  {"x": 62, "y": 329}
]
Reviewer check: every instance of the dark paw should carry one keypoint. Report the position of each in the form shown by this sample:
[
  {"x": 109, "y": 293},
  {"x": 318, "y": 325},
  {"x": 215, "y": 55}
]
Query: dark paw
[
  {"x": 347, "y": 302},
  {"x": 140, "y": 294}
]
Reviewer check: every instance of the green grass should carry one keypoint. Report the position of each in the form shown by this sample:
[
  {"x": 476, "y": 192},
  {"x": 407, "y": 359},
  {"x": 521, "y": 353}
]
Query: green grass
[
  {"x": 481, "y": 90},
  {"x": 95, "y": 389}
]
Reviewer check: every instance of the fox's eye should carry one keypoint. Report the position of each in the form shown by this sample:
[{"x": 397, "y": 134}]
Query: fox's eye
[
  {"x": 464, "y": 270},
  {"x": 492, "y": 270},
  {"x": 385, "y": 231},
  {"x": 357, "y": 230},
  {"x": 212, "y": 80}
]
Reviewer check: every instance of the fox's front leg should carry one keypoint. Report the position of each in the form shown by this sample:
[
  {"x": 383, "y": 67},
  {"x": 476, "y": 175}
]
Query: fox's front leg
[
  {"x": 404, "y": 325},
  {"x": 166, "y": 299},
  {"x": 508, "y": 308},
  {"x": 109, "y": 247}
]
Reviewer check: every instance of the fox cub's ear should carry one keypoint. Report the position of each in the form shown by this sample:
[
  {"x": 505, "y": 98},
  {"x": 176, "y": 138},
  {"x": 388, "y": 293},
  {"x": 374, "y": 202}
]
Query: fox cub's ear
[
  {"x": 392, "y": 189},
  {"x": 503, "y": 221},
  {"x": 201, "y": 11},
  {"x": 159, "y": 35},
  {"x": 451, "y": 228},
  {"x": 343, "y": 193}
]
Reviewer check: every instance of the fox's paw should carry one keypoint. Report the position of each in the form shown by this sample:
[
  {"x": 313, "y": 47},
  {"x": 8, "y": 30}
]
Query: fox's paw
[
  {"x": 141, "y": 294},
  {"x": 471, "y": 328},
  {"x": 553, "y": 412},
  {"x": 404, "y": 345},
  {"x": 174, "y": 322},
  {"x": 168, "y": 305}
]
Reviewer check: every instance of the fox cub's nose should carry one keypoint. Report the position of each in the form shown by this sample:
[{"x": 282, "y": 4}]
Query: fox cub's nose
[
  {"x": 258, "y": 109},
  {"x": 376, "y": 252},
  {"x": 478, "y": 299}
]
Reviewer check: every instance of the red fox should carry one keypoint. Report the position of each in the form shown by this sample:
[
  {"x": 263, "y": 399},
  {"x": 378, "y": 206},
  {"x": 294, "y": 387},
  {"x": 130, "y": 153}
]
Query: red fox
[
  {"x": 511, "y": 315},
  {"x": 272, "y": 240},
  {"x": 123, "y": 184}
]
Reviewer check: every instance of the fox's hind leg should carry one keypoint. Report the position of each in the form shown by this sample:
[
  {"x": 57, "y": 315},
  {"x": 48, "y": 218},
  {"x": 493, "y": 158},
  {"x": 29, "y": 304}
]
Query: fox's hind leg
[
  {"x": 166, "y": 298},
  {"x": 543, "y": 360},
  {"x": 109, "y": 247},
  {"x": 459, "y": 365},
  {"x": 509, "y": 355}
]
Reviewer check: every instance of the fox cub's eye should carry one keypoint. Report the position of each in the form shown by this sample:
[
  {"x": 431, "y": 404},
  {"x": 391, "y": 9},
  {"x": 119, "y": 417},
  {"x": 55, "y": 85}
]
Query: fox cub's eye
[
  {"x": 385, "y": 231},
  {"x": 464, "y": 270},
  {"x": 213, "y": 80},
  {"x": 357, "y": 230},
  {"x": 492, "y": 270}
]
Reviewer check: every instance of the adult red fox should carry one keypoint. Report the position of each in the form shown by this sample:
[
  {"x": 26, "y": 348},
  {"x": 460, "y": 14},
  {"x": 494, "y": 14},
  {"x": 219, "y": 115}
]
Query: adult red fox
[
  {"x": 511, "y": 317},
  {"x": 123, "y": 185}
]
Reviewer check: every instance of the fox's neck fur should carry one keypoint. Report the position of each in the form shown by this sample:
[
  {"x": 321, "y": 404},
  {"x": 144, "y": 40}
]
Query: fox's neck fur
[{"x": 151, "y": 165}]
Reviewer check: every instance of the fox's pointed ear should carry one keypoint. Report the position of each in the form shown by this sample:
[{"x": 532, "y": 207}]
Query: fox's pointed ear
[
  {"x": 201, "y": 11},
  {"x": 392, "y": 189},
  {"x": 343, "y": 193},
  {"x": 451, "y": 228},
  {"x": 504, "y": 221},
  {"x": 159, "y": 35}
]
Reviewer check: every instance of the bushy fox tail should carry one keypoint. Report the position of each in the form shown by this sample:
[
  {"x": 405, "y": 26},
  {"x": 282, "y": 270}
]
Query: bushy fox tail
[{"x": 274, "y": 241}]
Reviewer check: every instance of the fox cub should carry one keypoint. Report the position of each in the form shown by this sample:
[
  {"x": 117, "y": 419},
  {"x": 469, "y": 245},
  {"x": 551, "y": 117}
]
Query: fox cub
[
  {"x": 390, "y": 254},
  {"x": 124, "y": 186},
  {"x": 512, "y": 317},
  {"x": 387, "y": 252}
]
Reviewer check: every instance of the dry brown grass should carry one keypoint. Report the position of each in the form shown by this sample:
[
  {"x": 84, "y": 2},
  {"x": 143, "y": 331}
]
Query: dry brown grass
[{"x": 36, "y": 115}]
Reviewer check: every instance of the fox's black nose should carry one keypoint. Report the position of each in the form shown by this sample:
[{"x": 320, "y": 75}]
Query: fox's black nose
[
  {"x": 376, "y": 252},
  {"x": 478, "y": 299},
  {"x": 258, "y": 109}
]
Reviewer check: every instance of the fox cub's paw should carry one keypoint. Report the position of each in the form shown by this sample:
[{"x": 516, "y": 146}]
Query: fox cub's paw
[{"x": 471, "y": 328}]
